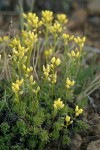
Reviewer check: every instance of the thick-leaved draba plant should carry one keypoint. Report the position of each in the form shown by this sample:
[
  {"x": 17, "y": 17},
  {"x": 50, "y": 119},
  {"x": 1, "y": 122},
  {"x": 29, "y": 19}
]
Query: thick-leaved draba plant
[{"x": 41, "y": 106}]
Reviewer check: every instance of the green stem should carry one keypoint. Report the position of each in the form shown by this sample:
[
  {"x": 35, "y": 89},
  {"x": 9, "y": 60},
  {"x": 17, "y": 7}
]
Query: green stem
[
  {"x": 46, "y": 36},
  {"x": 52, "y": 91}
]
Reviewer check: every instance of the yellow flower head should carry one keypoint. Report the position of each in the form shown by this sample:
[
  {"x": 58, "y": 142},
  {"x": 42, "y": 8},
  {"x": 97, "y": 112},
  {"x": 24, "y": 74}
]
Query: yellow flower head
[
  {"x": 62, "y": 18},
  {"x": 47, "y": 17},
  {"x": 58, "y": 104},
  {"x": 56, "y": 28},
  {"x": 80, "y": 41},
  {"x": 55, "y": 61},
  {"x": 65, "y": 36},
  {"x": 53, "y": 78},
  {"x": 69, "y": 83},
  {"x": 46, "y": 71},
  {"x": 58, "y": 61},
  {"x": 29, "y": 39},
  {"x": 31, "y": 79},
  {"x": 78, "y": 111},
  {"x": 67, "y": 118},
  {"x": 74, "y": 54},
  {"x": 16, "y": 85},
  {"x": 47, "y": 53},
  {"x": 32, "y": 21},
  {"x": 76, "y": 108}
]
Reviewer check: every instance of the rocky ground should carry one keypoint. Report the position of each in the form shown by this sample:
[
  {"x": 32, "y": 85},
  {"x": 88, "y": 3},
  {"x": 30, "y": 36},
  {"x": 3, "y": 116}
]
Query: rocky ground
[{"x": 84, "y": 19}]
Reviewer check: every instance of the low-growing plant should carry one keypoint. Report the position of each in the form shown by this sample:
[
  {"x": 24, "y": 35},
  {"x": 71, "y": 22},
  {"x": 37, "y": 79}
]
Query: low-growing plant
[{"x": 42, "y": 100}]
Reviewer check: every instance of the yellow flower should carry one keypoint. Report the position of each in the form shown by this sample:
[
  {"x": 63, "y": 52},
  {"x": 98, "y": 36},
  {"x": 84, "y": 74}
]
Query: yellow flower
[
  {"x": 29, "y": 39},
  {"x": 32, "y": 21},
  {"x": 67, "y": 86},
  {"x": 53, "y": 60},
  {"x": 62, "y": 18},
  {"x": 54, "y": 78},
  {"x": 72, "y": 83},
  {"x": 67, "y": 118},
  {"x": 69, "y": 83},
  {"x": 20, "y": 82},
  {"x": 24, "y": 67},
  {"x": 46, "y": 71},
  {"x": 58, "y": 61},
  {"x": 78, "y": 111},
  {"x": 6, "y": 38},
  {"x": 31, "y": 79},
  {"x": 16, "y": 85},
  {"x": 56, "y": 28},
  {"x": 47, "y": 17},
  {"x": 47, "y": 53},
  {"x": 71, "y": 37},
  {"x": 65, "y": 36},
  {"x": 46, "y": 74},
  {"x": 58, "y": 104},
  {"x": 80, "y": 41},
  {"x": 72, "y": 54},
  {"x": 36, "y": 90},
  {"x": 76, "y": 108}
]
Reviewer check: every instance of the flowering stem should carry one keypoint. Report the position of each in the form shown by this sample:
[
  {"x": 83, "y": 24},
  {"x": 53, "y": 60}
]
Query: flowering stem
[
  {"x": 52, "y": 91},
  {"x": 46, "y": 36},
  {"x": 54, "y": 43}
]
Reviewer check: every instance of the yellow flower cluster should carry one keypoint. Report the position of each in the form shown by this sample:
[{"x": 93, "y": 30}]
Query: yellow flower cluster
[
  {"x": 15, "y": 42},
  {"x": 58, "y": 104},
  {"x": 48, "y": 52},
  {"x": 62, "y": 18},
  {"x": 20, "y": 52},
  {"x": 29, "y": 39},
  {"x": 47, "y": 17},
  {"x": 68, "y": 120},
  {"x": 80, "y": 41},
  {"x": 67, "y": 38},
  {"x": 56, "y": 28},
  {"x": 16, "y": 86},
  {"x": 55, "y": 62},
  {"x": 0, "y": 57},
  {"x": 32, "y": 82},
  {"x": 78, "y": 111},
  {"x": 69, "y": 83},
  {"x": 74, "y": 54},
  {"x": 27, "y": 70},
  {"x": 53, "y": 78},
  {"x": 36, "y": 90},
  {"x": 32, "y": 21},
  {"x": 48, "y": 71},
  {"x": 4, "y": 39},
  {"x": 22, "y": 48}
]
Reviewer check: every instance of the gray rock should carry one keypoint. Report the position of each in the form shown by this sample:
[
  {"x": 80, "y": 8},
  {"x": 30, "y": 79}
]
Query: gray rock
[
  {"x": 93, "y": 7},
  {"x": 95, "y": 145},
  {"x": 76, "y": 142},
  {"x": 79, "y": 17},
  {"x": 95, "y": 20}
]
